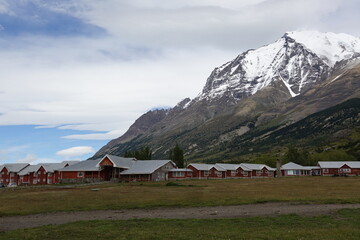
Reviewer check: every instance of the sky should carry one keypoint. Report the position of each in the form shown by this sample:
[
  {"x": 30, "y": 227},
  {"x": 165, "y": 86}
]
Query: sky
[{"x": 75, "y": 74}]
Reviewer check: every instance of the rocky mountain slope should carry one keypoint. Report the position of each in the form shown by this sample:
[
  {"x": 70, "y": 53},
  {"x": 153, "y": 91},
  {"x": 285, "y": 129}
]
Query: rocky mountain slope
[{"x": 260, "y": 91}]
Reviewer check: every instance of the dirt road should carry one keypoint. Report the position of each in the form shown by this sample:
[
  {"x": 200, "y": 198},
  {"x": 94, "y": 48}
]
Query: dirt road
[{"x": 251, "y": 210}]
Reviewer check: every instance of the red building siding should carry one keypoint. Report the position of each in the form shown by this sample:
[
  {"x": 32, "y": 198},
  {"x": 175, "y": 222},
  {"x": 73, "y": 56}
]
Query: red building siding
[
  {"x": 177, "y": 176},
  {"x": 262, "y": 173},
  {"x": 199, "y": 173},
  {"x": 8, "y": 177},
  {"x": 243, "y": 174},
  {"x": 214, "y": 173}
]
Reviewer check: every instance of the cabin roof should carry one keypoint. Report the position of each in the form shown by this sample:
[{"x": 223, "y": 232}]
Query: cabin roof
[
  {"x": 15, "y": 167},
  {"x": 87, "y": 165},
  {"x": 145, "y": 166},
  {"x": 206, "y": 167},
  {"x": 339, "y": 164},
  {"x": 120, "y": 162},
  {"x": 257, "y": 167}
]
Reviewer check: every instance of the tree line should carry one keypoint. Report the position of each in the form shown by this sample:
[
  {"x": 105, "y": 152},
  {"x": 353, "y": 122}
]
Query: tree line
[{"x": 176, "y": 154}]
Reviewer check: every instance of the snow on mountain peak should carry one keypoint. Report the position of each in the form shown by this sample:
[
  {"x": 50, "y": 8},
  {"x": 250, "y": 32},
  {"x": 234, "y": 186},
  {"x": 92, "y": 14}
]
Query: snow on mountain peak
[
  {"x": 298, "y": 59},
  {"x": 331, "y": 47}
]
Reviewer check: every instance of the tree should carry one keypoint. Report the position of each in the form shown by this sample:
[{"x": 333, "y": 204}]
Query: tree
[
  {"x": 295, "y": 156},
  {"x": 177, "y": 156},
  {"x": 145, "y": 153}
]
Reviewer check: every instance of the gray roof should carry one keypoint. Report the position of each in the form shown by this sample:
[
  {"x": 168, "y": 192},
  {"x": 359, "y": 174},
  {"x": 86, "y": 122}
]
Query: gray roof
[
  {"x": 293, "y": 166},
  {"x": 257, "y": 167},
  {"x": 145, "y": 167},
  {"x": 29, "y": 169},
  {"x": 245, "y": 168},
  {"x": 180, "y": 170},
  {"x": 339, "y": 164},
  {"x": 49, "y": 167},
  {"x": 206, "y": 167},
  {"x": 227, "y": 166},
  {"x": 311, "y": 167},
  {"x": 15, "y": 167},
  {"x": 87, "y": 165},
  {"x": 120, "y": 162}
]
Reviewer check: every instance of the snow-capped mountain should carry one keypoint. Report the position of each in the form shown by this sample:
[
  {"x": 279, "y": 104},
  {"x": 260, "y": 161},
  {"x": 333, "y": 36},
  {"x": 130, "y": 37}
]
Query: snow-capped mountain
[
  {"x": 227, "y": 118},
  {"x": 298, "y": 59}
]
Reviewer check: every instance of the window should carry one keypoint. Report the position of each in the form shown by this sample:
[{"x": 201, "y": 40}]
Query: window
[
  {"x": 178, "y": 174},
  {"x": 233, "y": 173},
  {"x": 12, "y": 174},
  {"x": 245, "y": 173},
  {"x": 345, "y": 170},
  {"x": 206, "y": 173},
  {"x": 258, "y": 173},
  {"x": 80, "y": 174},
  {"x": 325, "y": 170},
  {"x": 219, "y": 174}
]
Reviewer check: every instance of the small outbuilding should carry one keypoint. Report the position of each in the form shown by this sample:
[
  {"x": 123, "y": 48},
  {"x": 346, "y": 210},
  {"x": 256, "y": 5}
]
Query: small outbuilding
[{"x": 148, "y": 170}]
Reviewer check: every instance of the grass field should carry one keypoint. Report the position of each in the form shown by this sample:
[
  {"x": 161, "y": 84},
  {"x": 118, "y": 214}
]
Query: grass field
[
  {"x": 22, "y": 201},
  {"x": 345, "y": 224}
]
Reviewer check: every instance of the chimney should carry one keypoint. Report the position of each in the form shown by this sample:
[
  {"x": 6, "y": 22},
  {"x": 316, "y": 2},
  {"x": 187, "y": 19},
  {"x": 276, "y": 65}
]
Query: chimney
[{"x": 278, "y": 166}]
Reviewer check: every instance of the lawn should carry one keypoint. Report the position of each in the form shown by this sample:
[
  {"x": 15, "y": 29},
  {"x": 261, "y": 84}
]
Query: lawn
[
  {"x": 22, "y": 201},
  {"x": 344, "y": 224}
]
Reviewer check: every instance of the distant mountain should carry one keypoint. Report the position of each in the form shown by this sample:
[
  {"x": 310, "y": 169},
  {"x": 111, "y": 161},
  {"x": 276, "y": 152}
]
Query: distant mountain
[{"x": 257, "y": 93}]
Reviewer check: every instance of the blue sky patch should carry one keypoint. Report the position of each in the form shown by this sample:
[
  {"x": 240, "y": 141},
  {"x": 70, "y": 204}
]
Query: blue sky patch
[
  {"x": 25, "y": 17},
  {"x": 16, "y": 142}
]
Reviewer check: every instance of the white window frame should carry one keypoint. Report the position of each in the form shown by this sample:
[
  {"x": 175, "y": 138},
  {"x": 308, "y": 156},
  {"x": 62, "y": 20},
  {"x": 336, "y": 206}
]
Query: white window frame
[
  {"x": 258, "y": 172},
  {"x": 80, "y": 174},
  {"x": 325, "y": 170},
  {"x": 206, "y": 173},
  {"x": 233, "y": 173},
  {"x": 178, "y": 174}
]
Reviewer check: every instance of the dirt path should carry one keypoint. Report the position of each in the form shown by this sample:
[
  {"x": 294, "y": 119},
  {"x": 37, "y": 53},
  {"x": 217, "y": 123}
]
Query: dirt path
[{"x": 265, "y": 209}]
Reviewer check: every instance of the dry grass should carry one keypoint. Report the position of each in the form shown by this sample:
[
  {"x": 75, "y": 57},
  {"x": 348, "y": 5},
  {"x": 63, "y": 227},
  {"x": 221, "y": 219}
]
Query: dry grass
[{"x": 200, "y": 193}]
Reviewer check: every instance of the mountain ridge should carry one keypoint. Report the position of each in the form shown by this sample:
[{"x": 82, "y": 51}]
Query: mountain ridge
[{"x": 297, "y": 77}]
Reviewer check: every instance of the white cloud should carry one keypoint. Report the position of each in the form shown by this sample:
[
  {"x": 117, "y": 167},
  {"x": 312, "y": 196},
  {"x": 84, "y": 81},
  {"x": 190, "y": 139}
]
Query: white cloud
[
  {"x": 96, "y": 136},
  {"x": 32, "y": 159},
  {"x": 75, "y": 151},
  {"x": 29, "y": 158},
  {"x": 107, "y": 95},
  {"x": 157, "y": 52}
]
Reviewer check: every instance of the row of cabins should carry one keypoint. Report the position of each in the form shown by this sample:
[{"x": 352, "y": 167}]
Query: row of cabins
[
  {"x": 26, "y": 174},
  {"x": 116, "y": 168}
]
